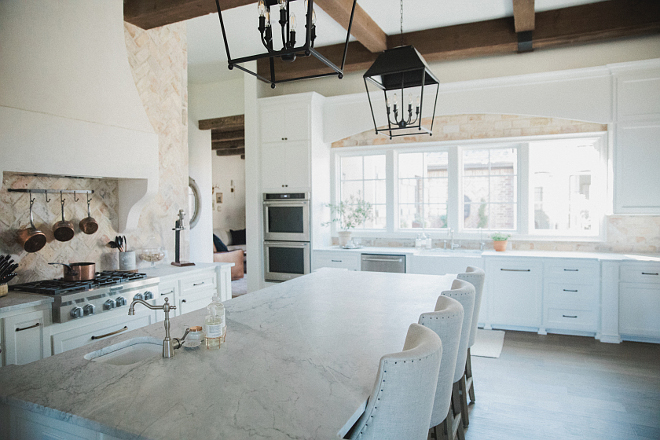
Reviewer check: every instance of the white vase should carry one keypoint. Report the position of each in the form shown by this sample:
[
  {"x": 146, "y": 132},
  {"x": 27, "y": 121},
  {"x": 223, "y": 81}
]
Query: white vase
[{"x": 344, "y": 237}]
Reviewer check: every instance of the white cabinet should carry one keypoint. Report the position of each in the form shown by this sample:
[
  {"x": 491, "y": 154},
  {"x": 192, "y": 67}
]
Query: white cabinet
[
  {"x": 68, "y": 336},
  {"x": 570, "y": 295},
  {"x": 639, "y": 301},
  {"x": 336, "y": 259},
  {"x": 289, "y": 122},
  {"x": 285, "y": 165},
  {"x": 23, "y": 337},
  {"x": 514, "y": 291},
  {"x": 169, "y": 290}
]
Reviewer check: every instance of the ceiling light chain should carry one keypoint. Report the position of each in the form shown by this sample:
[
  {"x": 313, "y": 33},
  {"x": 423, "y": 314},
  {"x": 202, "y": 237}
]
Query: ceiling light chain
[{"x": 401, "y": 23}]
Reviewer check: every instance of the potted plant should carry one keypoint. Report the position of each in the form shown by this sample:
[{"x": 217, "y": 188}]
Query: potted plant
[
  {"x": 499, "y": 241},
  {"x": 349, "y": 214}
]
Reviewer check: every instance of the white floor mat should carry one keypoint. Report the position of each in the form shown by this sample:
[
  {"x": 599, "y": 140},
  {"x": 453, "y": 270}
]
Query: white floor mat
[{"x": 488, "y": 343}]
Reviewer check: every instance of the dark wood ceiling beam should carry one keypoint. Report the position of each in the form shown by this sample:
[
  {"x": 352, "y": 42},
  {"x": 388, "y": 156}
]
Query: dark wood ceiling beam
[
  {"x": 575, "y": 25},
  {"x": 231, "y": 152},
  {"x": 227, "y": 145},
  {"x": 228, "y": 123},
  {"x": 149, "y": 14},
  {"x": 523, "y": 15},
  {"x": 364, "y": 28},
  {"x": 234, "y": 135}
]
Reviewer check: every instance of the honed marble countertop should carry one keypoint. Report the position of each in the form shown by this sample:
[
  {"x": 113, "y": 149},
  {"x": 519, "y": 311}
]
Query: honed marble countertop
[
  {"x": 299, "y": 359},
  {"x": 20, "y": 300}
]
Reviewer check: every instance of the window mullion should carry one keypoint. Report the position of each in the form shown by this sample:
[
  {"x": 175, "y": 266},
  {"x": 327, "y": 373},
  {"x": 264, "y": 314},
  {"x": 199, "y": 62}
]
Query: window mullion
[
  {"x": 525, "y": 203},
  {"x": 391, "y": 192},
  {"x": 454, "y": 184}
]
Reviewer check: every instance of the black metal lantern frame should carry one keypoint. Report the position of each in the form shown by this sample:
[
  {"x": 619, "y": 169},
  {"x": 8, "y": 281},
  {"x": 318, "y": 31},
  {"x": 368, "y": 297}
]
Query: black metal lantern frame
[
  {"x": 396, "y": 70},
  {"x": 289, "y": 51}
]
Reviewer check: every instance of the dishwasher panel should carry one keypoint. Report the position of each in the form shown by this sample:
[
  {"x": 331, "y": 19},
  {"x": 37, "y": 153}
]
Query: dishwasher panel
[{"x": 384, "y": 263}]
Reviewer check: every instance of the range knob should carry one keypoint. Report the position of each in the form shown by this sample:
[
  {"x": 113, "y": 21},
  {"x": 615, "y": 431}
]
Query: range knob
[
  {"x": 138, "y": 296},
  {"x": 120, "y": 301},
  {"x": 76, "y": 312},
  {"x": 108, "y": 304},
  {"x": 148, "y": 295},
  {"x": 88, "y": 309}
]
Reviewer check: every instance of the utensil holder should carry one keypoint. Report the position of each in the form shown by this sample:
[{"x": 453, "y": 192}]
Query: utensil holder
[
  {"x": 127, "y": 260},
  {"x": 3, "y": 289}
]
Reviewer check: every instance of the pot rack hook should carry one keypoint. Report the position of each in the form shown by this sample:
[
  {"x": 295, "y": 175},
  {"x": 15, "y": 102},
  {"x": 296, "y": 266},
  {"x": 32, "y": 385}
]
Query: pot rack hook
[
  {"x": 31, "y": 199},
  {"x": 89, "y": 198},
  {"x": 45, "y": 194},
  {"x": 61, "y": 198},
  {"x": 75, "y": 197}
]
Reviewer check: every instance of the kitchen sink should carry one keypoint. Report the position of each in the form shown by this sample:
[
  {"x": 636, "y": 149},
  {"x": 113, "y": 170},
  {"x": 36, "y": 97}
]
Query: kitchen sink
[{"x": 128, "y": 352}]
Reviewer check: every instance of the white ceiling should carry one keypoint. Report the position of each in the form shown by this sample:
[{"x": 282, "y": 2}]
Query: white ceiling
[{"x": 207, "y": 61}]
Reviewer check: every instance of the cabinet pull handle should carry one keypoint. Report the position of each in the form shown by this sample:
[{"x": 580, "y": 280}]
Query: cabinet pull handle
[
  {"x": 123, "y": 329},
  {"x": 167, "y": 293},
  {"x": 28, "y": 328},
  {"x": 570, "y": 290},
  {"x": 516, "y": 270},
  {"x": 199, "y": 284},
  {"x": 183, "y": 300},
  {"x": 336, "y": 261},
  {"x": 650, "y": 273},
  {"x": 571, "y": 270},
  {"x": 569, "y": 316}
]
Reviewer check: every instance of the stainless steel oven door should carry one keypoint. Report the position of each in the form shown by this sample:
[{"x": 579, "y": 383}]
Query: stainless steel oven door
[
  {"x": 285, "y": 260},
  {"x": 286, "y": 220}
]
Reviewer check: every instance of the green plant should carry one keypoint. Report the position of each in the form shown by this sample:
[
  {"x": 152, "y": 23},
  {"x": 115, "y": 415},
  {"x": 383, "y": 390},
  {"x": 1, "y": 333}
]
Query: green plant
[
  {"x": 483, "y": 218},
  {"x": 349, "y": 214},
  {"x": 498, "y": 236}
]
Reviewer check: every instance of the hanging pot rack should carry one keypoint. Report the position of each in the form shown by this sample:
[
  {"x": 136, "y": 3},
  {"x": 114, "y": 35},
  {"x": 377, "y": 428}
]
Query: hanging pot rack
[{"x": 53, "y": 191}]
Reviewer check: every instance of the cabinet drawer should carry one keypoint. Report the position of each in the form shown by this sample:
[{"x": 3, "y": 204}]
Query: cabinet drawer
[
  {"x": 640, "y": 273},
  {"x": 200, "y": 283},
  {"x": 573, "y": 272},
  {"x": 570, "y": 319},
  {"x": 167, "y": 288},
  {"x": 342, "y": 261},
  {"x": 574, "y": 296}
]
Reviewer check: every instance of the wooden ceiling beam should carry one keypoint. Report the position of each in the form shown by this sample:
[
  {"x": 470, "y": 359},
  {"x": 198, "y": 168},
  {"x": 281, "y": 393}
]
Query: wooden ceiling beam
[
  {"x": 523, "y": 15},
  {"x": 228, "y": 123},
  {"x": 227, "y": 145},
  {"x": 560, "y": 27},
  {"x": 149, "y": 14},
  {"x": 234, "y": 135},
  {"x": 364, "y": 28},
  {"x": 232, "y": 152}
]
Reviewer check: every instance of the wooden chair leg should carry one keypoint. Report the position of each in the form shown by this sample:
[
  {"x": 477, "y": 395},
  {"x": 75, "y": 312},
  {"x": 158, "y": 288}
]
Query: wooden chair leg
[
  {"x": 456, "y": 430},
  {"x": 468, "y": 376},
  {"x": 463, "y": 401}
]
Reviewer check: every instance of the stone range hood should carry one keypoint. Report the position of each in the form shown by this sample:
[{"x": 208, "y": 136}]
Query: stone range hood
[{"x": 68, "y": 101}]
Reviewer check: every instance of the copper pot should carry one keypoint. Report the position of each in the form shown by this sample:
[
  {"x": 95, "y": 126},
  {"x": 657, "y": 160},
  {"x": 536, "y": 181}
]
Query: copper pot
[
  {"x": 78, "y": 271},
  {"x": 63, "y": 230},
  {"x": 88, "y": 225},
  {"x": 31, "y": 239}
]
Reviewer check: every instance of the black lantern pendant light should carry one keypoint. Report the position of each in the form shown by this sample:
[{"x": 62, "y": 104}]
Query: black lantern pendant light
[
  {"x": 401, "y": 70},
  {"x": 289, "y": 51}
]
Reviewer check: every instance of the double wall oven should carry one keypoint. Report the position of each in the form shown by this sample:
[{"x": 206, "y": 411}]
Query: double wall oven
[{"x": 286, "y": 236}]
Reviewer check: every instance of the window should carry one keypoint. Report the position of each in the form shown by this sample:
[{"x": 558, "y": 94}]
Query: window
[
  {"x": 553, "y": 187},
  {"x": 423, "y": 190},
  {"x": 364, "y": 177},
  {"x": 566, "y": 178},
  {"x": 490, "y": 188}
]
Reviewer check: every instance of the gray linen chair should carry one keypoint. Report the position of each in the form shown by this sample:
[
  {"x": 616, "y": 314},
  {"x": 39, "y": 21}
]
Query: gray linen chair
[
  {"x": 464, "y": 293},
  {"x": 446, "y": 322},
  {"x": 476, "y": 277},
  {"x": 401, "y": 401}
]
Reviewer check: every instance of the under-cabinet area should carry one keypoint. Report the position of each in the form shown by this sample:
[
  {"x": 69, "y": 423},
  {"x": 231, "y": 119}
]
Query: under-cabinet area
[
  {"x": 544, "y": 292},
  {"x": 29, "y": 333}
]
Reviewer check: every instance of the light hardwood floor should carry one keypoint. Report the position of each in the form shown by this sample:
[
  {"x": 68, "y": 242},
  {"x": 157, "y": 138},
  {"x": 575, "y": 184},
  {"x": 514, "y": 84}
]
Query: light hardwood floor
[{"x": 566, "y": 387}]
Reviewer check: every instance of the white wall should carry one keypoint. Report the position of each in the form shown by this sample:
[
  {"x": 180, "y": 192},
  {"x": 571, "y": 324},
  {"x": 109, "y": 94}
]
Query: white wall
[
  {"x": 199, "y": 166},
  {"x": 230, "y": 214},
  {"x": 216, "y": 100}
]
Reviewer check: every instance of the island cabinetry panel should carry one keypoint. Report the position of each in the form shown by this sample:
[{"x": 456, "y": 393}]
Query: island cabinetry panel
[
  {"x": 336, "y": 259},
  {"x": 23, "y": 336},
  {"x": 514, "y": 290},
  {"x": 639, "y": 301},
  {"x": 571, "y": 295},
  {"x": 75, "y": 334}
]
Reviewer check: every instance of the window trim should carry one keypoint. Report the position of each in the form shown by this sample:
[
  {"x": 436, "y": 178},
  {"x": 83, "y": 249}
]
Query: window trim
[{"x": 524, "y": 203}]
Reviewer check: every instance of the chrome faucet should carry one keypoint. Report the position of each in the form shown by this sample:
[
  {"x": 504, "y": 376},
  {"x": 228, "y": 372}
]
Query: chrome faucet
[
  {"x": 168, "y": 347},
  {"x": 452, "y": 245}
]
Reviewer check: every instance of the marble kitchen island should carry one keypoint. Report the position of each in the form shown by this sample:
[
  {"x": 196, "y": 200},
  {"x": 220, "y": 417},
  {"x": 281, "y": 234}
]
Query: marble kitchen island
[{"x": 299, "y": 360}]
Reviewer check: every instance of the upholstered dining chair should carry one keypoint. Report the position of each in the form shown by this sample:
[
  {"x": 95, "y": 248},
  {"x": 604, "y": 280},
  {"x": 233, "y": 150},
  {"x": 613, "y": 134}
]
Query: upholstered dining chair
[
  {"x": 446, "y": 322},
  {"x": 401, "y": 401},
  {"x": 464, "y": 293},
  {"x": 476, "y": 277}
]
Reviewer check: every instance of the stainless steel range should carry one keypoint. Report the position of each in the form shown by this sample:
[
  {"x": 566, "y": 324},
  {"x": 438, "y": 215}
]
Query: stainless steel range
[{"x": 79, "y": 299}]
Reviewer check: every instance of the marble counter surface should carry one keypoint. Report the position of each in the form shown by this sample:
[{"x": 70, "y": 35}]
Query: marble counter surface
[
  {"x": 286, "y": 370},
  {"x": 18, "y": 300},
  {"x": 165, "y": 271}
]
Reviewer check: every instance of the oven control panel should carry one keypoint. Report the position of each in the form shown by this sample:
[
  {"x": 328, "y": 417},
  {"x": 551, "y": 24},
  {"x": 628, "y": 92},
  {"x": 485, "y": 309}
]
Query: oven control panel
[{"x": 90, "y": 303}]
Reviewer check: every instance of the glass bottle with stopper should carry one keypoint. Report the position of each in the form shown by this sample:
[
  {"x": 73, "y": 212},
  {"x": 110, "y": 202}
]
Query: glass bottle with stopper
[{"x": 179, "y": 226}]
